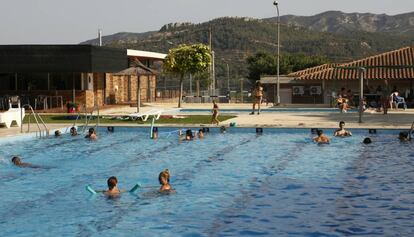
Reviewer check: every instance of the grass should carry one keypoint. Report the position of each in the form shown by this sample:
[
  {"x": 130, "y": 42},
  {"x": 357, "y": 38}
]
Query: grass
[{"x": 190, "y": 119}]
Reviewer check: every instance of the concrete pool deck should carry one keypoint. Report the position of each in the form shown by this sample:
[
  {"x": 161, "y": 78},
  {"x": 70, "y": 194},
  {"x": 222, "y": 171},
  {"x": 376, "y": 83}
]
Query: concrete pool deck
[{"x": 393, "y": 120}]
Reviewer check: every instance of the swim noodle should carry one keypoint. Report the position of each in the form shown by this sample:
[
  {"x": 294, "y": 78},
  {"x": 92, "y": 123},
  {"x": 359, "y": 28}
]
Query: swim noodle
[
  {"x": 90, "y": 189},
  {"x": 135, "y": 188}
]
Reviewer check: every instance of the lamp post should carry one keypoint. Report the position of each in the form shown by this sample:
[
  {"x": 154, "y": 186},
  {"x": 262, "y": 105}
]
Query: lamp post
[
  {"x": 361, "y": 92},
  {"x": 276, "y": 3}
]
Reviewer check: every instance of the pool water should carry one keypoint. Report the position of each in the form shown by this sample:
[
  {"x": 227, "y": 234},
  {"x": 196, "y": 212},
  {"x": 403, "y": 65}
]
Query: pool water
[{"x": 233, "y": 184}]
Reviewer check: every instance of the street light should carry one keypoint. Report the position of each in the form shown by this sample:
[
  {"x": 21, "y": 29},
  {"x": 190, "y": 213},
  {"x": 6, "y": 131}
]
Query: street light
[
  {"x": 361, "y": 92},
  {"x": 276, "y": 3}
]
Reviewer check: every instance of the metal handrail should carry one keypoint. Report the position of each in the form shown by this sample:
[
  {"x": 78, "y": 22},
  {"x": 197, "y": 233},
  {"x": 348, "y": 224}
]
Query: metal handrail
[
  {"x": 88, "y": 118},
  {"x": 37, "y": 117}
]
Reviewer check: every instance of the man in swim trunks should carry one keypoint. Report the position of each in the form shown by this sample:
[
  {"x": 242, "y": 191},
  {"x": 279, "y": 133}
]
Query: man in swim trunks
[
  {"x": 341, "y": 132},
  {"x": 258, "y": 97},
  {"x": 321, "y": 138},
  {"x": 164, "y": 179}
]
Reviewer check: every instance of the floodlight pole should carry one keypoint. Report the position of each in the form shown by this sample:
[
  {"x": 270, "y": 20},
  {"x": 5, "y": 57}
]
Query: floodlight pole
[
  {"x": 276, "y": 3},
  {"x": 361, "y": 92}
]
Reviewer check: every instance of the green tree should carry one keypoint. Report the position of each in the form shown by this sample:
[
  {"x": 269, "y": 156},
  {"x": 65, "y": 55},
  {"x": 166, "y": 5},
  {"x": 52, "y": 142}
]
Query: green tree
[
  {"x": 185, "y": 59},
  {"x": 266, "y": 64}
]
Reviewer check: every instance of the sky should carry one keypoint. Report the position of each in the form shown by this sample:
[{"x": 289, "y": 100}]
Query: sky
[{"x": 74, "y": 21}]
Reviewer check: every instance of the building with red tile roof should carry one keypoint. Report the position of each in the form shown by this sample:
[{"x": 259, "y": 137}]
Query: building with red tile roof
[{"x": 385, "y": 71}]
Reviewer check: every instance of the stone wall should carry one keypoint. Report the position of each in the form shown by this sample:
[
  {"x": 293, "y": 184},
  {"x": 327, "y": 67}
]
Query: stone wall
[{"x": 123, "y": 88}]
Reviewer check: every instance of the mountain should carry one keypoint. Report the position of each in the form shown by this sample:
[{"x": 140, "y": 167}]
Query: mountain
[
  {"x": 236, "y": 38},
  {"x": 340, "y": 22}
]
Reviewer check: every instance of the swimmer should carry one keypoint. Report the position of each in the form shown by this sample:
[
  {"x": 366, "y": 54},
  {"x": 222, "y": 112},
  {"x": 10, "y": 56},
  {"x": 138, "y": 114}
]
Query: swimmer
[
  {"x": 18, "y": 162},
  {"x": 154, "y": 133},
  {"x": 73, "y": 131},
  {"x": 164, "y": 179},
  {"x": 367, "y": 140},
  {"x": 113, "y": 189},
  {"x": 404, "y": 136},
  {"x": 110, "y": 129},
  {"x": 58, "y": 133},
  {"x": 341, "y": 132},
  {"x": 222, "y": 129},
  {"x": 321, "y": 138},
  {"x": 91, "y": 134},
  {"x": 189, "y": 135},
  {"x": 200, "y": 134}
]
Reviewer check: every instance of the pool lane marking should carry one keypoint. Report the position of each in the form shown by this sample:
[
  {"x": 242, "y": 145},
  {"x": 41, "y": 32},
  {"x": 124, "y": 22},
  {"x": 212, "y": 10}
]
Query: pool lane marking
[{"x": 246, "y": 195}]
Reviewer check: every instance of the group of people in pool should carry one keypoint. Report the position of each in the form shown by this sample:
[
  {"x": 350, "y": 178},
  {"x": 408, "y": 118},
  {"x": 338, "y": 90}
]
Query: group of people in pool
[
  {"x": 91, "y": 133},
  {"x": 321, "y": 138},
  {"x": 163, "y": 179}
]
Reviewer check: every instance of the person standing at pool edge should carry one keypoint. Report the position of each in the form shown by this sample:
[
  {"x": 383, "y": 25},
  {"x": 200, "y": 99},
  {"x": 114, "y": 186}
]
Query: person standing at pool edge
[
  {"x": 214, "y": 118},
  {"x": 258, "y": 96}
]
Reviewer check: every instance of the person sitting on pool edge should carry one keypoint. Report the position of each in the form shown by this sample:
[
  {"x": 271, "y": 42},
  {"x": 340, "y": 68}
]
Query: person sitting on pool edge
[
  {"x": 73, "y": 131},
  {"x": 321, "y": 138},
  {"x": 18, "y": 162},
  {"x": 91, "y": 134},
  {"x": 200, "y": 134},
  {"x": 341, "y": 132},
  {"x": 164, "y": 179}
]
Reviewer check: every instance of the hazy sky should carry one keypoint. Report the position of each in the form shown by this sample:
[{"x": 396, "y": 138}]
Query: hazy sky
[{"x": 73, "y": 21}]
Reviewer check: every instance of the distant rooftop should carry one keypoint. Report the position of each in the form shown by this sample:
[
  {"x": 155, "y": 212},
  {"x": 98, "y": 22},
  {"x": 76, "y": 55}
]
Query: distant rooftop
[{"x": 145, "y": 54}]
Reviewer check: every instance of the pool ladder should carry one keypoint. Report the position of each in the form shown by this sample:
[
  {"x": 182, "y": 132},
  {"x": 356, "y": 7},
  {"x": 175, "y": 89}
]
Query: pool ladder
[
  {"x": 42, "y": 132},
  {"x": 88, "y": 117}
]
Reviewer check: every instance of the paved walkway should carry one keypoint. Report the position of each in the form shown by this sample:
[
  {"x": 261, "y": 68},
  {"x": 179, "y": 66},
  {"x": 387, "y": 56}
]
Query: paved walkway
[{"x": 393, "y": 120}]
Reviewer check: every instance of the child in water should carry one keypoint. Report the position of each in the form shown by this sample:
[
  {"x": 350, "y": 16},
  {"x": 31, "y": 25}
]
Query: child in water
[
  {"x": 164, "y": 179},
  {"x": 113, "y": 189}
]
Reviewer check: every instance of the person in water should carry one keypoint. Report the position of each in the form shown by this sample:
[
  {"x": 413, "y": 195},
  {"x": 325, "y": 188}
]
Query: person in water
[
  {"x": 91, "y": 134},
  {"x": 18, "y": 162},
  {"x": 321, "y": 138},
  {"x": 154, "y": 133},
  {"x": 214, "y": 118},
  {"x": 73, "y": 131},
  {"x": 58, "y": 133},
  {"x": 367, "y": 140},
  {"x": 200, "y": 133},
  {"x": 113, "y": 189},
  {"x": 222, "y": 129},
  {"x": 341, "y": 132},
  {"x": 406, "y": 136},
  {"x": 164, "y": 179},
  {"x": 189, "y": 136}
]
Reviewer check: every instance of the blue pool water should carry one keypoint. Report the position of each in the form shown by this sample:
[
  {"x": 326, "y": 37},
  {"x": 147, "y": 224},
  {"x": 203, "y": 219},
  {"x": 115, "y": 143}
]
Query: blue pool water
[
  {"x": 272, "y": 110},
  {"x": 233, "y": 184}
]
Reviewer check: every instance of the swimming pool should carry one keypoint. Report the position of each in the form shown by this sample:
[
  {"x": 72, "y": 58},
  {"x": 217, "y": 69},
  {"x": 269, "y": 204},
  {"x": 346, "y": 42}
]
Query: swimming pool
[
  {"x": 233, "y": 184},
  {"x": 271, "y": 110}
]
